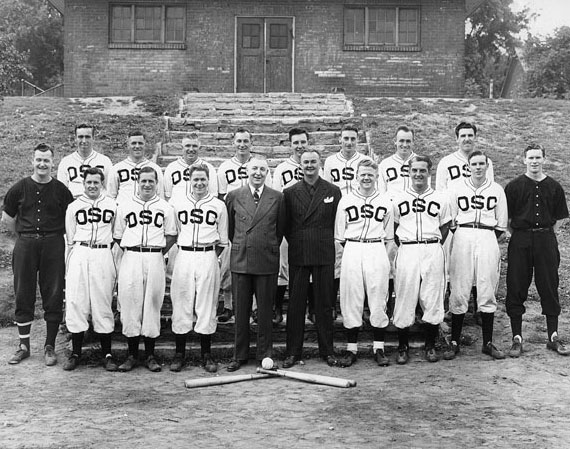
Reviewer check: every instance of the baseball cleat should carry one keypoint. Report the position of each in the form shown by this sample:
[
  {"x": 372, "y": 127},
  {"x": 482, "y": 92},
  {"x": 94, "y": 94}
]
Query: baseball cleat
[
  {"x": 208, "y": 363},
  {"x": 128, "y": 364},
  {"x": 347, "y": 358},
  {"x": 71, "y": 363},
  {"x": 152, "y": 364},
  {"x": 49, "y": 356},
  {"x": 21, "y": 354},
  {"x": 109, "y": 364},
  {"x": 381, "y": 358},
  {"x": 493, "y": 351},
  {"x": 403, "y": 355},
  {"x": 558, "y": 346},
  {"x": 516, "y": 348},
  {"x": 431, "y": 355},
  {"x": 451, "y": 351},
  {"x": 177, "y": 363}
]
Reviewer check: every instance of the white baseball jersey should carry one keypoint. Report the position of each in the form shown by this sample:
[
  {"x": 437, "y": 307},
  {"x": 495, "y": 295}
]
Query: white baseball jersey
[
  {"x": 144, "y": 223},
  {"x": 394, "y": 174},
  {"x": 420, "y": 215},
  {"x": 454, "y": 167},
  {"x": 286, "y": 174},
  {"x": 342, "y": 172},
  {"x": 201, "y": 222},
  {"x": 71, "y": 168},
  {"x": 90, "y": 221},
  {"x": 122, "y": 183},
  {"x": 232, "y": 175},
  {"x": 485, "y": 205},
  {"x": 176, "y": 178}
]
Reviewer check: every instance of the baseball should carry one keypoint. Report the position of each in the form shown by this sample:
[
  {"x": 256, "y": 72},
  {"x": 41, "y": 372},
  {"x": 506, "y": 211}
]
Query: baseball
[{"x": 267, "y": 363}]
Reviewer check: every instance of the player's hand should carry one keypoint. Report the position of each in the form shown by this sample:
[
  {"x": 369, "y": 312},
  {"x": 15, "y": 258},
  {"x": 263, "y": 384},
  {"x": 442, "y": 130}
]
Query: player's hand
[{"x": 504, "y": 237}]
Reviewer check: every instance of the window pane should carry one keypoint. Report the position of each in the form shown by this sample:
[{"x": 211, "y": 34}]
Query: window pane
[
  {"x": 278, "y": 36},
  {"x": 381, "y": 26},
  {"x": 408, "y": 27},
  {"x": 148, "y": 23},
  {"x": 120, "y": 24},
  {"x": 354, "y": 26},
  {"x": 250, "y": 35},
  {"x": 174, "y": 24}
]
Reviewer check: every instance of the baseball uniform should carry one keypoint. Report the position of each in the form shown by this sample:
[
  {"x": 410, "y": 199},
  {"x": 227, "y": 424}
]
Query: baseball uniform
[
  {"x": 91, "y": 272},
  {"x": 342, "y": 172},
  {"x": 420, "y": 263},
  {"x": 202, "y": 224},
  {"x": 70, "y": 169},
  {"x": 394, "y": 174},
  {"x": 176, "y": 178},
  {"x": 475, "y": 255},
  {"x": 453, "y": 167},
  {"x": 122, "y": 183},
  {"x": 142, "y": 227}
]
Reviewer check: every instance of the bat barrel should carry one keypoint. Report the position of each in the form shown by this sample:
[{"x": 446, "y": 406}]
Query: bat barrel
[{"x": 311, "y": 378}]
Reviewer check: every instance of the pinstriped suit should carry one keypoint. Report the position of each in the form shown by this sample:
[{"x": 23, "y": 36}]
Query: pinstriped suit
[
  {"x": 256, "y": 233},
  {"x": 310, "y": 233}
]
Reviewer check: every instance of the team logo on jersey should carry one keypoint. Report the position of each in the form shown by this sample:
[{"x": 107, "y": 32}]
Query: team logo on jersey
[
  {"x": 347, "y": 174},
  {"x": 128, "y": 175},
  {"x": 232, "y": 176},
  {"x": 74, "y": 172},
  {"x": 456, "y": 172},
  {"x": 289, "y": 175},
  {"x": 477, "y": 202},
  {"x": 419, "y": 205},
  {"x": 178, "y": 176},
  {"x": 198, "y": 216},
  {"x": 94, "y": 215},
  {"x": 392, "y": 173},
  {"x": 365, "y": 211},
  {"x": 145, "y": 217}
]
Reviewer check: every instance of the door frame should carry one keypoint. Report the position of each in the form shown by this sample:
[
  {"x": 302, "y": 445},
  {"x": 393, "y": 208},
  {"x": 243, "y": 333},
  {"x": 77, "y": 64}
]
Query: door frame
[{"x": 265, "y": 43}]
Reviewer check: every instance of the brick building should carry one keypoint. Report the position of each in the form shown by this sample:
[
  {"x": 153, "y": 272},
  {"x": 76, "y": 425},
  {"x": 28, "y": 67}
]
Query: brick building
[{"x": 372, "y": 47}]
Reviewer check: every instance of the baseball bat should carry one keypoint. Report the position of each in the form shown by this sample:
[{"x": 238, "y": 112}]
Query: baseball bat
[
  {"x": 311, "y": 378},
  {"x": 221, "y": 380}
]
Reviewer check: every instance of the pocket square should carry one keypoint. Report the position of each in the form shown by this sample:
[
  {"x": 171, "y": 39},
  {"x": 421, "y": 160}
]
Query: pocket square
[{"x": 328, "y": 199}]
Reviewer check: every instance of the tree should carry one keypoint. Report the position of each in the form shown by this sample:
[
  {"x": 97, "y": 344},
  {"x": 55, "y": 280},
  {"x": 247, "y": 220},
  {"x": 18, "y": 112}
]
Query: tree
[
  {"x": 490, "y": 41},
  {"x": 549, "y": 64},
  {"x": 12, "y": 64}
]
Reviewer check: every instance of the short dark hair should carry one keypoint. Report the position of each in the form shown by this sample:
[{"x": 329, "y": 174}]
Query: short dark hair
[
  {"x": 198, "y": 167},
  {"x": 148, "y": 169},
  {"x": 349, "y": 127},
  {"x": 535, "y": 146},
  {"x": 421, "y": 158},
  {"x": 243, "y": 130},
  {"x": 94, "y": 171},
  {"x": 367, "y": 162},
  {"x": 465, "y": 125},
  {"x": 406, "y": 129},
  {"x": 312, "y": 150},
  {"x": 84, "y": 126},
  {"x": 136, "y": 132},
  {"x": 477, "y": 153},
  {"x": 296, "y": 132},
  {"x": 192, "y": 136},
  {"x": 43, "y": 147}
]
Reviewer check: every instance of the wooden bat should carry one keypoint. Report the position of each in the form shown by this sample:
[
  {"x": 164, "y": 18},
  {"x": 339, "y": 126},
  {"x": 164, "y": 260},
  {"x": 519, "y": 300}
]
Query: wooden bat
[
  {"x": 221, "y": 380},
  {"x": 311, "y": 378}
]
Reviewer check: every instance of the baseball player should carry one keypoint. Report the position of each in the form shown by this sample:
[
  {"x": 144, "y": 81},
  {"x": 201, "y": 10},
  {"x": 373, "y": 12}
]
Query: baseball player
[
  {"x": 123, "y": 182},
  {"x": 364, "y": 225},
  {"x": 71, "y": 168},
  {"x": 145, "y": 227},
  {"x": 91, "y": 272},
  {"x": 479, "y": 212},
  {"x": 202, "y": 223},
  {"x": 421, "y": 224},
  {"x": 232, "y": 174}
]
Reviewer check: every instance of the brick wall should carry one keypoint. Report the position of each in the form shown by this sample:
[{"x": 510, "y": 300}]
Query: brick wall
[{"x": 207, "y": 63}]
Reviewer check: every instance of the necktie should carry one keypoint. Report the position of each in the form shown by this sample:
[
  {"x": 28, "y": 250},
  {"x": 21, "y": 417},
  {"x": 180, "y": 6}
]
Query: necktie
[{"x": 256, "y": 196}]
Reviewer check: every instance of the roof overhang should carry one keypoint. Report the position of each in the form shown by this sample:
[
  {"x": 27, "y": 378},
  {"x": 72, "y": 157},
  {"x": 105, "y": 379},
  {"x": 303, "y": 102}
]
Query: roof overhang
[{"x": 58, "y": 4}]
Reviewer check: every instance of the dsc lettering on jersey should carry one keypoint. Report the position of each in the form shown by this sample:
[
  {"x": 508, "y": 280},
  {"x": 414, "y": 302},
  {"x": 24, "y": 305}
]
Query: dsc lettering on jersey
[
  {"x": 392, "y": 172},
  {"x": 347, "y": 174},
  {"x": 477, "y": 202},
  {"x": 197, "y": 216},
  {"x": 287, "y": 176},
  {"x": 74, "y": 173},
  {"x": 145, "y": 217},
  {"x": 419, "y": 205},
  {"x": 231, "y": 174},
  {"x": 455, "y": 171},
  {"x": 126, "y": 175},
  {"x": 94, "y": 215},
  {"x": 366, "y": 211}
]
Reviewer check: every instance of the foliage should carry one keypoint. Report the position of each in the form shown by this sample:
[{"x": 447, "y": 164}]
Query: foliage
[
  {"x": 549, "y": 65},
  {"x": 489, "y": 43},
  {"x": 12, "y": 64}
]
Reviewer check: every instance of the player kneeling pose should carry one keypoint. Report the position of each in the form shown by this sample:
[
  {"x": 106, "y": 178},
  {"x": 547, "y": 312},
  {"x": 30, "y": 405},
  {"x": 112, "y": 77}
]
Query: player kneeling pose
[
  {"x": 421, "y": 224},
  {"x": 91, "y": 272},
  {"x": 202, "y": 222},
  {"x": 364, "y": 225}
]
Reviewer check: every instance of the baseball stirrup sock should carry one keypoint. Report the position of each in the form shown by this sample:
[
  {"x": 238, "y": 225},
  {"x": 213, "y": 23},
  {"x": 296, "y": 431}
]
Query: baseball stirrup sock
[
  {"x": 487, "y": 325},
  {"x": 180, "y": 341},
  {"x": 51, "y": 332},
  {"x": 133, "y": 343},
  {"x": 24, "y": 333},
  {"x": 149, "y": 346},
  {"x": 516, "y": 325},
  {"x": 105, "y": 343},
  {"x": 551, "y": 325},
  {"x": 77, "y": 342},
  {"x": 456, "y": 326},
  {"x": 205, "y": 344}
]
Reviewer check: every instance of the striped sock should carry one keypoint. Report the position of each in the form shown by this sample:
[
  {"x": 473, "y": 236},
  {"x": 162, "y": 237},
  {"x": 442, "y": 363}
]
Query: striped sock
[{"x": 24, "y": 333}]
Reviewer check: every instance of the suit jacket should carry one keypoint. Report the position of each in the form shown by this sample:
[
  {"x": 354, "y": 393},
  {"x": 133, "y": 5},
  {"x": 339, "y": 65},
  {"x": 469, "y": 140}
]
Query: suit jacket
[
  {"x": 310, "y": 223},
  {"x": 255, "y": 232}
]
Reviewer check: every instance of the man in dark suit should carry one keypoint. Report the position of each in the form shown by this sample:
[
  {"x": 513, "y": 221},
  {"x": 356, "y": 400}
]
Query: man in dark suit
[
  {"x": 311, "y": 206},
  {"x": 256, "y": 220}
]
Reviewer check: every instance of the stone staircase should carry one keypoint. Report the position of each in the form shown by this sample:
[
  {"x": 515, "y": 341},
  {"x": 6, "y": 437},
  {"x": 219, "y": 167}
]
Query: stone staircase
[{"x": 268, "y": 116}]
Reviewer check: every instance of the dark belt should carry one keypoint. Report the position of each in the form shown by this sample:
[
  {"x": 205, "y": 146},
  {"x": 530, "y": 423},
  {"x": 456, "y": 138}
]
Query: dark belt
[
  {"x": 39, "y": 235},
  {"x": 476, "y": 226},
  {"x": 413, "y": 242},
  {"x": 197, "y": 248},
  {"x": 365, "y": 240},
  {"x": 535, "y": 229},
  {"x": 89, "y": 245},
  {"x": 144, "y": 249}
]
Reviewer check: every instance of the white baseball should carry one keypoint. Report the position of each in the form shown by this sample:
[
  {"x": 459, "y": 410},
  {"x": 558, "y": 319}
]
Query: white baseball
[{"x": 267, "y": 363}]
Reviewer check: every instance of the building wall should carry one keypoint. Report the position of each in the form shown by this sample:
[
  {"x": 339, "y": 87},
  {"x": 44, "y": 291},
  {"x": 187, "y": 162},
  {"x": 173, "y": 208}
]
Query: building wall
[{"x": 321, "y": 64}]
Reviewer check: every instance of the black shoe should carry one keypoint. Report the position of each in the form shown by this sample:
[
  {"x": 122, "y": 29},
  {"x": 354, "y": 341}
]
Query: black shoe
[
  {"x": 128, "y": 364},
  {"x": 110, "y": 364},
  {"x": 177, "y": 362},
  {"x": 331, "y": 360},
  {"x": 517, "y": 348},
  {"x": 348, "y": 358},
  {"x": 451, "y": 351},
  {"x": 493, "y": 351},
  {"x": 381, "y": 358},
  {"x": 277, "y": 317},
  {"x": 21, "y": 354},
  {"x": 208, "y": 363},
  {"x": 558, "y": 346},
  {"x": 403, "y": 355},
  {"x": 71, "y": 363},
  {"x": 225, "y": 316},
  {"x": 235, "y": 365},
  {"x": 431, "y": 355},
  {"x": 289, "y": 361},
  {"x": 152, "y": 364}
]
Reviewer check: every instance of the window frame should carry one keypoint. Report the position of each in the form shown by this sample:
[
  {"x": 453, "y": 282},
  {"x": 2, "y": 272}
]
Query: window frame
[
  {"x": 146, "y": 44},
  {"x": 396, "y": 46}
]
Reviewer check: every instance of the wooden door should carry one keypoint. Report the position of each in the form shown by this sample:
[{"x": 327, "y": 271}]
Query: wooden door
[
  {"x": 278, "y": 55},
  {"x": 250, "y": 54}
]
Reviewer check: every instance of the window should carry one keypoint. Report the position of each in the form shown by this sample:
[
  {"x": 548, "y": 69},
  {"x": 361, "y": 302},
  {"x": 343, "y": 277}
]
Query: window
[
  {"x": 382, "y": 28},
  {"x": 147, "y": 26}
]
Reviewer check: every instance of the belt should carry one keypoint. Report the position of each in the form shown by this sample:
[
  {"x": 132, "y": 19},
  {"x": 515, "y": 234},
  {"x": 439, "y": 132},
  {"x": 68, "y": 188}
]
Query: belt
[
  {"x": 476, "y": 226},
  {"x": 144, "y": 249},
  {"x": 365, "y": 240},
  {"x": 535, "y": 229},
  {"x": 197, "y": 248},
  {"x": 39, "y": 235},
  {"x": 89, "y": 245},
  {"x": 412, "y": 242}
]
